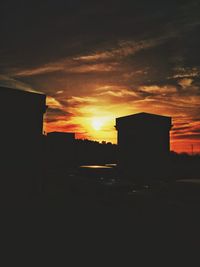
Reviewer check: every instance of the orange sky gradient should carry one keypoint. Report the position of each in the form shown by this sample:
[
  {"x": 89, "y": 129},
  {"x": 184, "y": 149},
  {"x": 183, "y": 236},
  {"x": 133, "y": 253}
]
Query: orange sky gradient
[
  {"x": 99, "y": 60},
  {"x": 106, "y": 103}
]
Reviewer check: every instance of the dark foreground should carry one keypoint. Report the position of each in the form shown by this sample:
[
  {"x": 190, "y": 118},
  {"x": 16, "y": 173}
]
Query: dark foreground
[
  {"x": 101, "y": 186},
  {"x": 123, "y": 220},
  {"x": 106, "y": 221}
]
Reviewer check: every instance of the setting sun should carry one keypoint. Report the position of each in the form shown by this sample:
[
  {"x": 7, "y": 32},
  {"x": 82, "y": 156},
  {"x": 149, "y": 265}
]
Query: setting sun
[{"x": 97, "y": 124}]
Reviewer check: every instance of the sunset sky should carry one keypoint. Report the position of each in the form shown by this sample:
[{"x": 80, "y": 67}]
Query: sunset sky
[{"x": 98, "y": 60}]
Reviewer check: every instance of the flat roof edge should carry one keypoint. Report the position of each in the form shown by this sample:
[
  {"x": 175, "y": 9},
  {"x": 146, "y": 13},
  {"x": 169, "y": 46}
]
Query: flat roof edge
[
  {"x": 22, "y": 91},
  {"x": 136, "y": 115}
]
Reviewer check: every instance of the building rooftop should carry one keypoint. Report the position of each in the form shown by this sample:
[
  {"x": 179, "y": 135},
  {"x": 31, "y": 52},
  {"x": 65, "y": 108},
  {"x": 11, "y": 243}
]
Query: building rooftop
[
  {"x": 143, "y": 115},
  {"x": 19, "y": 91},
  {"x": 61, "y": 134},
  {"x": 21, "y": 97},
  {"x": 12, "y": 92},
  {"x": 143, "y": 118}
]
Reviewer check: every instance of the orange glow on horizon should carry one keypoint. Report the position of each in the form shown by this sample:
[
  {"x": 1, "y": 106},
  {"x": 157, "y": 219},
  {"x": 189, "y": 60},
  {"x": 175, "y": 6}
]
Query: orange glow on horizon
[
  {"x": 93, "y": 117},
  {"x": 98, "y": 130}
]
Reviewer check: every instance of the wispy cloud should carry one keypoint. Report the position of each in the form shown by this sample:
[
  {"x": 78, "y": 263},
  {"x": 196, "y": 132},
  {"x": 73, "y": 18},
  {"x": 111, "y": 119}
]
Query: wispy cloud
[
  {"x": 186, "y": 72},
  {"x": 99, "y": 61},
  {"x": 185, "y": 82},
  {"x": 66, "y": 66},
  {"x": 53, "y": 103},
  {"x": 156, "y": 89},
  {"x": 139, "y": 57},
  {"x": 10, "y": 82},
  {"x": 125, "y": 48}
]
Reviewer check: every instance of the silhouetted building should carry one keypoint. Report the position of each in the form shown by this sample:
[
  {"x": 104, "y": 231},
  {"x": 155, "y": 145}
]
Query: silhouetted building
[
  {"x": 144, "y": 144},
  {"x": 61, "y": 148},
  {"x": 61, "y": 136},
  {"x": 21, "y": 138},
  {"x": 93, "y": 152}
]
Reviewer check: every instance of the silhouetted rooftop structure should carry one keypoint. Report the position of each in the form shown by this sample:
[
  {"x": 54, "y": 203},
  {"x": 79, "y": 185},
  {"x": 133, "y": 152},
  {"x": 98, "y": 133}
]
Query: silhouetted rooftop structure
[
  {"x": 21, "y": 138},
  {"x": 22, "y": 111},
  {"x": 65, "y": 136},
  {"x": 143, "y": 141},
  {"x": 61, "y": 148},
  {"x": 143, "y": 119}
]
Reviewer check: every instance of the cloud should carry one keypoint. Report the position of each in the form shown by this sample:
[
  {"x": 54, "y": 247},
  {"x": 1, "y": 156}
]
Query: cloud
[
  {"x": 63, "y": 126},
  {"x": 188, "y": 136},
  {"x": 105, "y": 59},
  {"x": 53, "y": 103},
  {"x": 7, "y": 81},
  {"x": 66, "y": 66},
  {"x": 115, "y": 91},
  {"x": 59, "y": 92},
  {"x": 125, "y": 48},
  {"x": 156, "y": 89},
  {"x": 186, "y": 72},
  {"x": 93, "y": 68},
  {"x": 186, "y": 82},
  {"x": 74, "y": 100},
  {"x": 99, "y": 61}
]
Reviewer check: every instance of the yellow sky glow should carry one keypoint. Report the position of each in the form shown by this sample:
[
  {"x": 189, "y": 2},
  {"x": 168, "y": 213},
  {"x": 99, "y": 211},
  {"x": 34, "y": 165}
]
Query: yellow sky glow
[{"x": 93, "y": 117}]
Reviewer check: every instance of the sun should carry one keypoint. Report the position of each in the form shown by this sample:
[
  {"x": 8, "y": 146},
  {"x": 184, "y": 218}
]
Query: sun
[{"x": 97, "y": 124}]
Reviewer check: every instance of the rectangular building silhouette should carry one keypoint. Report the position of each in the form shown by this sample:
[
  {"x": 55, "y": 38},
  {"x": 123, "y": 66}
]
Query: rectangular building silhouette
[
  {"x": 61, "y": 149},
  {"x": 20, "y": 139},
  {"x": 144, "y": 144}
]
